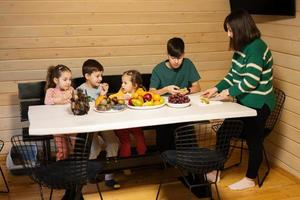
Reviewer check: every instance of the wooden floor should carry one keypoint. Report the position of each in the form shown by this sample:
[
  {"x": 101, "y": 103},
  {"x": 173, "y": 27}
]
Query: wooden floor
[{"x": 143, "y": 185}]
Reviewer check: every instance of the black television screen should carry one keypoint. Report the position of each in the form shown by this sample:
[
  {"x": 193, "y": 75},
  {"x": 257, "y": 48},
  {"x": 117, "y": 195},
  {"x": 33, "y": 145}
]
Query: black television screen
[{"x": 265, "y": 7}]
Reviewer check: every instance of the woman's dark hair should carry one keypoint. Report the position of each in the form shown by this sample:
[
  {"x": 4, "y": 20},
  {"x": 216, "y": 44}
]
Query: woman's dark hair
[
  {"x": 175, "y": 47},
  {"x": 243, "y": 28},
  {"x": 90, "y": 66},
  {"x": 54, "y": 72},
  {"x": 136, "y": 77}
]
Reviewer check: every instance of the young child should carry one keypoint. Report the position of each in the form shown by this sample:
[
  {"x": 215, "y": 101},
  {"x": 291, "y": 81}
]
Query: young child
[
  {"x": 92, "y": 71},
  {"x": 59, "y": 91},
  {"x": 131, "y": 81}
]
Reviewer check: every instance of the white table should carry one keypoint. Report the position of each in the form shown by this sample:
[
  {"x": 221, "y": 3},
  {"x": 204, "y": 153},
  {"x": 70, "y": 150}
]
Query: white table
[{"x": 58, "y": 119}]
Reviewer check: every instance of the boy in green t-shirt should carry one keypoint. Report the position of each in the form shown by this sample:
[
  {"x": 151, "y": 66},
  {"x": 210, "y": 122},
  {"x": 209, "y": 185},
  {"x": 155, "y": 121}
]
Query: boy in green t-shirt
[
  {"x": 168, "y": 77},
  {"x": 175, "y": 73}
]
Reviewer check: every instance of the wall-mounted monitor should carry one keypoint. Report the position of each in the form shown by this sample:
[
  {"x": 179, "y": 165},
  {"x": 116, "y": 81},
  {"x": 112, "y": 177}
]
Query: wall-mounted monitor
[{"x": 265, "y": 7}]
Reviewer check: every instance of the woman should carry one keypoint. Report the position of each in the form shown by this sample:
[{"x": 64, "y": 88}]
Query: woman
[{"x": 250, "y": 82}]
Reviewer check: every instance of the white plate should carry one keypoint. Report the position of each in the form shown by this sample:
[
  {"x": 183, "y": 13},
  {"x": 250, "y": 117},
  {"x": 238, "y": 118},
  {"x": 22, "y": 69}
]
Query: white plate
[
  {"x": 108, "y": 111},
  {"x": 211, "y": 103},
  {"x": 179, "y": 105},
  {"x": 146, "y": 107}
]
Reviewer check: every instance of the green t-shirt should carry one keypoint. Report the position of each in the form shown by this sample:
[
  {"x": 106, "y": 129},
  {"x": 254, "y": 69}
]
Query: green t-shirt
[{"x": 182, "y": 77}]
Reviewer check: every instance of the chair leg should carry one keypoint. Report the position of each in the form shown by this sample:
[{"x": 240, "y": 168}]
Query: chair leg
[
  {"x": 6, "y": 185},
  {"x": 261, "y": 182},
  {"x": 78, "y": 192},
  {"x": 217, "y": 190},
  {"x": 41, "y": 192},
  {"x": 241, "y": 155},
  {"x": 51, "y": 192},
  {"x": 215, "y": 183},
  {"x": 161, "y": 179},
  {"x": 99, "y": 191}
]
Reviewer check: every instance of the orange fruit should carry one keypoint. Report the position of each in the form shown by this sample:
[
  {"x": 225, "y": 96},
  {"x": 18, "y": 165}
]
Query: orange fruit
[
  {"x": 156, "y": 103},
  {"x": 135, "y": 95},
  {"x": 140, "y": 91},
  {"x": 99, "y": 99},
  {"x": 156, "y": 97}
]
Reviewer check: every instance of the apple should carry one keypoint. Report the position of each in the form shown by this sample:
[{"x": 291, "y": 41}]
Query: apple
[
  {"x": 147, "y": 97},
  {"x": 130, "y": 102}
]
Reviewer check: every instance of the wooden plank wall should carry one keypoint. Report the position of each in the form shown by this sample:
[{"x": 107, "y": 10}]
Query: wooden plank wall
[
  {"x": 121, "y": 34},
  {"x": 283, "y": 37}
]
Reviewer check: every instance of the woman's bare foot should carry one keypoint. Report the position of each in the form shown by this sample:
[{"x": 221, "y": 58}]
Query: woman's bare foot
[{"x": 243, "y": 184}]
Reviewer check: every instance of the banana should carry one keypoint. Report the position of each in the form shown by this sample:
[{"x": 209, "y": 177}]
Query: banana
[{"x": 204, "y": 100}]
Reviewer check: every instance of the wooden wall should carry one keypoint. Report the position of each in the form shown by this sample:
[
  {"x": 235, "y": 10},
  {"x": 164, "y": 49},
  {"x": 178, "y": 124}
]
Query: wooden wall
[
  {"x": 121, "y": 34},
  {"x": 132, "y": 34},
  {"x": 283, "y": 37}
]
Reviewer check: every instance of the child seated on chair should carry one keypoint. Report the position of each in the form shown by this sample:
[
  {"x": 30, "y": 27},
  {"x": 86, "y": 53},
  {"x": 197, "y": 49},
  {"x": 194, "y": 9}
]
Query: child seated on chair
[
  {"x": 59, "y": 91},
  {"x": 92, "y": 71},
  {"x": 131, "y": 81}
]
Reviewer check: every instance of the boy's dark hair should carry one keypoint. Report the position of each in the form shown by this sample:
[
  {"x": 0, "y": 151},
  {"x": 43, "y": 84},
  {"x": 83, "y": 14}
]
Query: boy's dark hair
[
  {"x": 136, "y": 77},
  {"x": 243, "y": 28},
  {"x": 90, "y": 66},
  {"x": 175, "y": 47}
]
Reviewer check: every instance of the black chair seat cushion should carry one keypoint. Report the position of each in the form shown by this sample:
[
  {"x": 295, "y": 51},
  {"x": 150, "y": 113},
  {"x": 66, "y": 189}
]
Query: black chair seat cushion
[
  {"x": 62, "y": 174},
  {"x": 196, "y": 159}
]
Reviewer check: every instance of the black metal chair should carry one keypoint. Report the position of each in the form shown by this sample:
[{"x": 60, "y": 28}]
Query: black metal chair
[
  {"x": 199, "y": 150},
  {"x": 5, "y": 182},
  {"x": 71, "y": 173},
  {"x": 270, "y": 124}
]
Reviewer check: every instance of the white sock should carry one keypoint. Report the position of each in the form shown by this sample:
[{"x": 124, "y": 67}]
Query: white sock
[
  {"x": 109, "y": 177},
  {"x": 211, "y": 176},
  {"x": 243, "y": 184}
]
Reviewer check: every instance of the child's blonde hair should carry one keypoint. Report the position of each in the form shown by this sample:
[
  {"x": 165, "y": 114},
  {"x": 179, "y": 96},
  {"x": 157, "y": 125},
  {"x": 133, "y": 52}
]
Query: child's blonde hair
[
  {"x": 54, "y": 72},
  {"x": 136, "y": 78}
]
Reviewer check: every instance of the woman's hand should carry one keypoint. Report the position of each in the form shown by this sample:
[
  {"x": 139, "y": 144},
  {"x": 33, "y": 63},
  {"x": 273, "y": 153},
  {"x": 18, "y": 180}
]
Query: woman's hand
[
  {"x": 210, "y": 92},
  {"x": 224, "y": 95}
]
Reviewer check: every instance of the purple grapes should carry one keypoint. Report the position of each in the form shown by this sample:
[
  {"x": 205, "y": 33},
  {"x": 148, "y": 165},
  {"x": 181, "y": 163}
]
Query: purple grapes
[{"x": 178, "y": 99}]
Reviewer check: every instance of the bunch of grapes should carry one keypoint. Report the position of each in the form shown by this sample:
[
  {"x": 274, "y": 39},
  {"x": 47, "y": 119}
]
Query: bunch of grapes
[{"x": 178, "y": 98}]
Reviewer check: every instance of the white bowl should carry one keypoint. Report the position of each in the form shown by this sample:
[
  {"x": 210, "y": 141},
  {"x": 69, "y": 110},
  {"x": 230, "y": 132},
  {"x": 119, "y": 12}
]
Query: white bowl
[{"x": 179, "y": 105}]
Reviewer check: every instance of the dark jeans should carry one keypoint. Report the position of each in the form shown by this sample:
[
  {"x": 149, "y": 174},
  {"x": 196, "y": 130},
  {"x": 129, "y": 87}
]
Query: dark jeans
[
  {"x": 253, "y": 133},
  {"x": 165, "y": 136}
]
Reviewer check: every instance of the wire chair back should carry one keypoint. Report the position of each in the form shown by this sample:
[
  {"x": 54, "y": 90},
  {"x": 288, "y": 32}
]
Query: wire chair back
[
  {"x": 203, "y": 147},
  {"x": 1, "y": 145},
  {"x": 274, "y": 115},
  {"x": 41, "y": 165}
]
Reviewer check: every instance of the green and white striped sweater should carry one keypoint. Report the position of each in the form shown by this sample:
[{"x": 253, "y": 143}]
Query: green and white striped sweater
[{"x": 250, "y": 77}]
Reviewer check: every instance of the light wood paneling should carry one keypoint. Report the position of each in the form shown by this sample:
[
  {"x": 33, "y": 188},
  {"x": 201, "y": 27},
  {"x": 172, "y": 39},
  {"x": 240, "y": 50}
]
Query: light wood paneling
[
  {"x": 110, "y": 30},
  {"x": 8, "y": 7},
  {"x": 282, "y": 36},
  {"x": 90, "y": 18},
  {"x": 121, "y": 34},
  {"x": 102, "y": 41}
]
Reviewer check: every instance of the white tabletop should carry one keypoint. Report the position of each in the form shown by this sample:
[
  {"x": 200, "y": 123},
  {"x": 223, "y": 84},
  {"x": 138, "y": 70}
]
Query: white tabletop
[{"x": 58, "y": 119}]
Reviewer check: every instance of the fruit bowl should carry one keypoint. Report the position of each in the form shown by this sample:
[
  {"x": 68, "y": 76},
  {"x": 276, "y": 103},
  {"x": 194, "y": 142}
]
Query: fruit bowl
[
  {"x": 179, "y": 105},
  {"x": 104, "y": 104},
  {"x": 143, "y": 100},
  {"x": 178, "y": 99}
]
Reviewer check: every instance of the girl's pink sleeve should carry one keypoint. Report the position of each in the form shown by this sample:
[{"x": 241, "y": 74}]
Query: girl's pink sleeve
[{"x": 49, "y": 99}]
